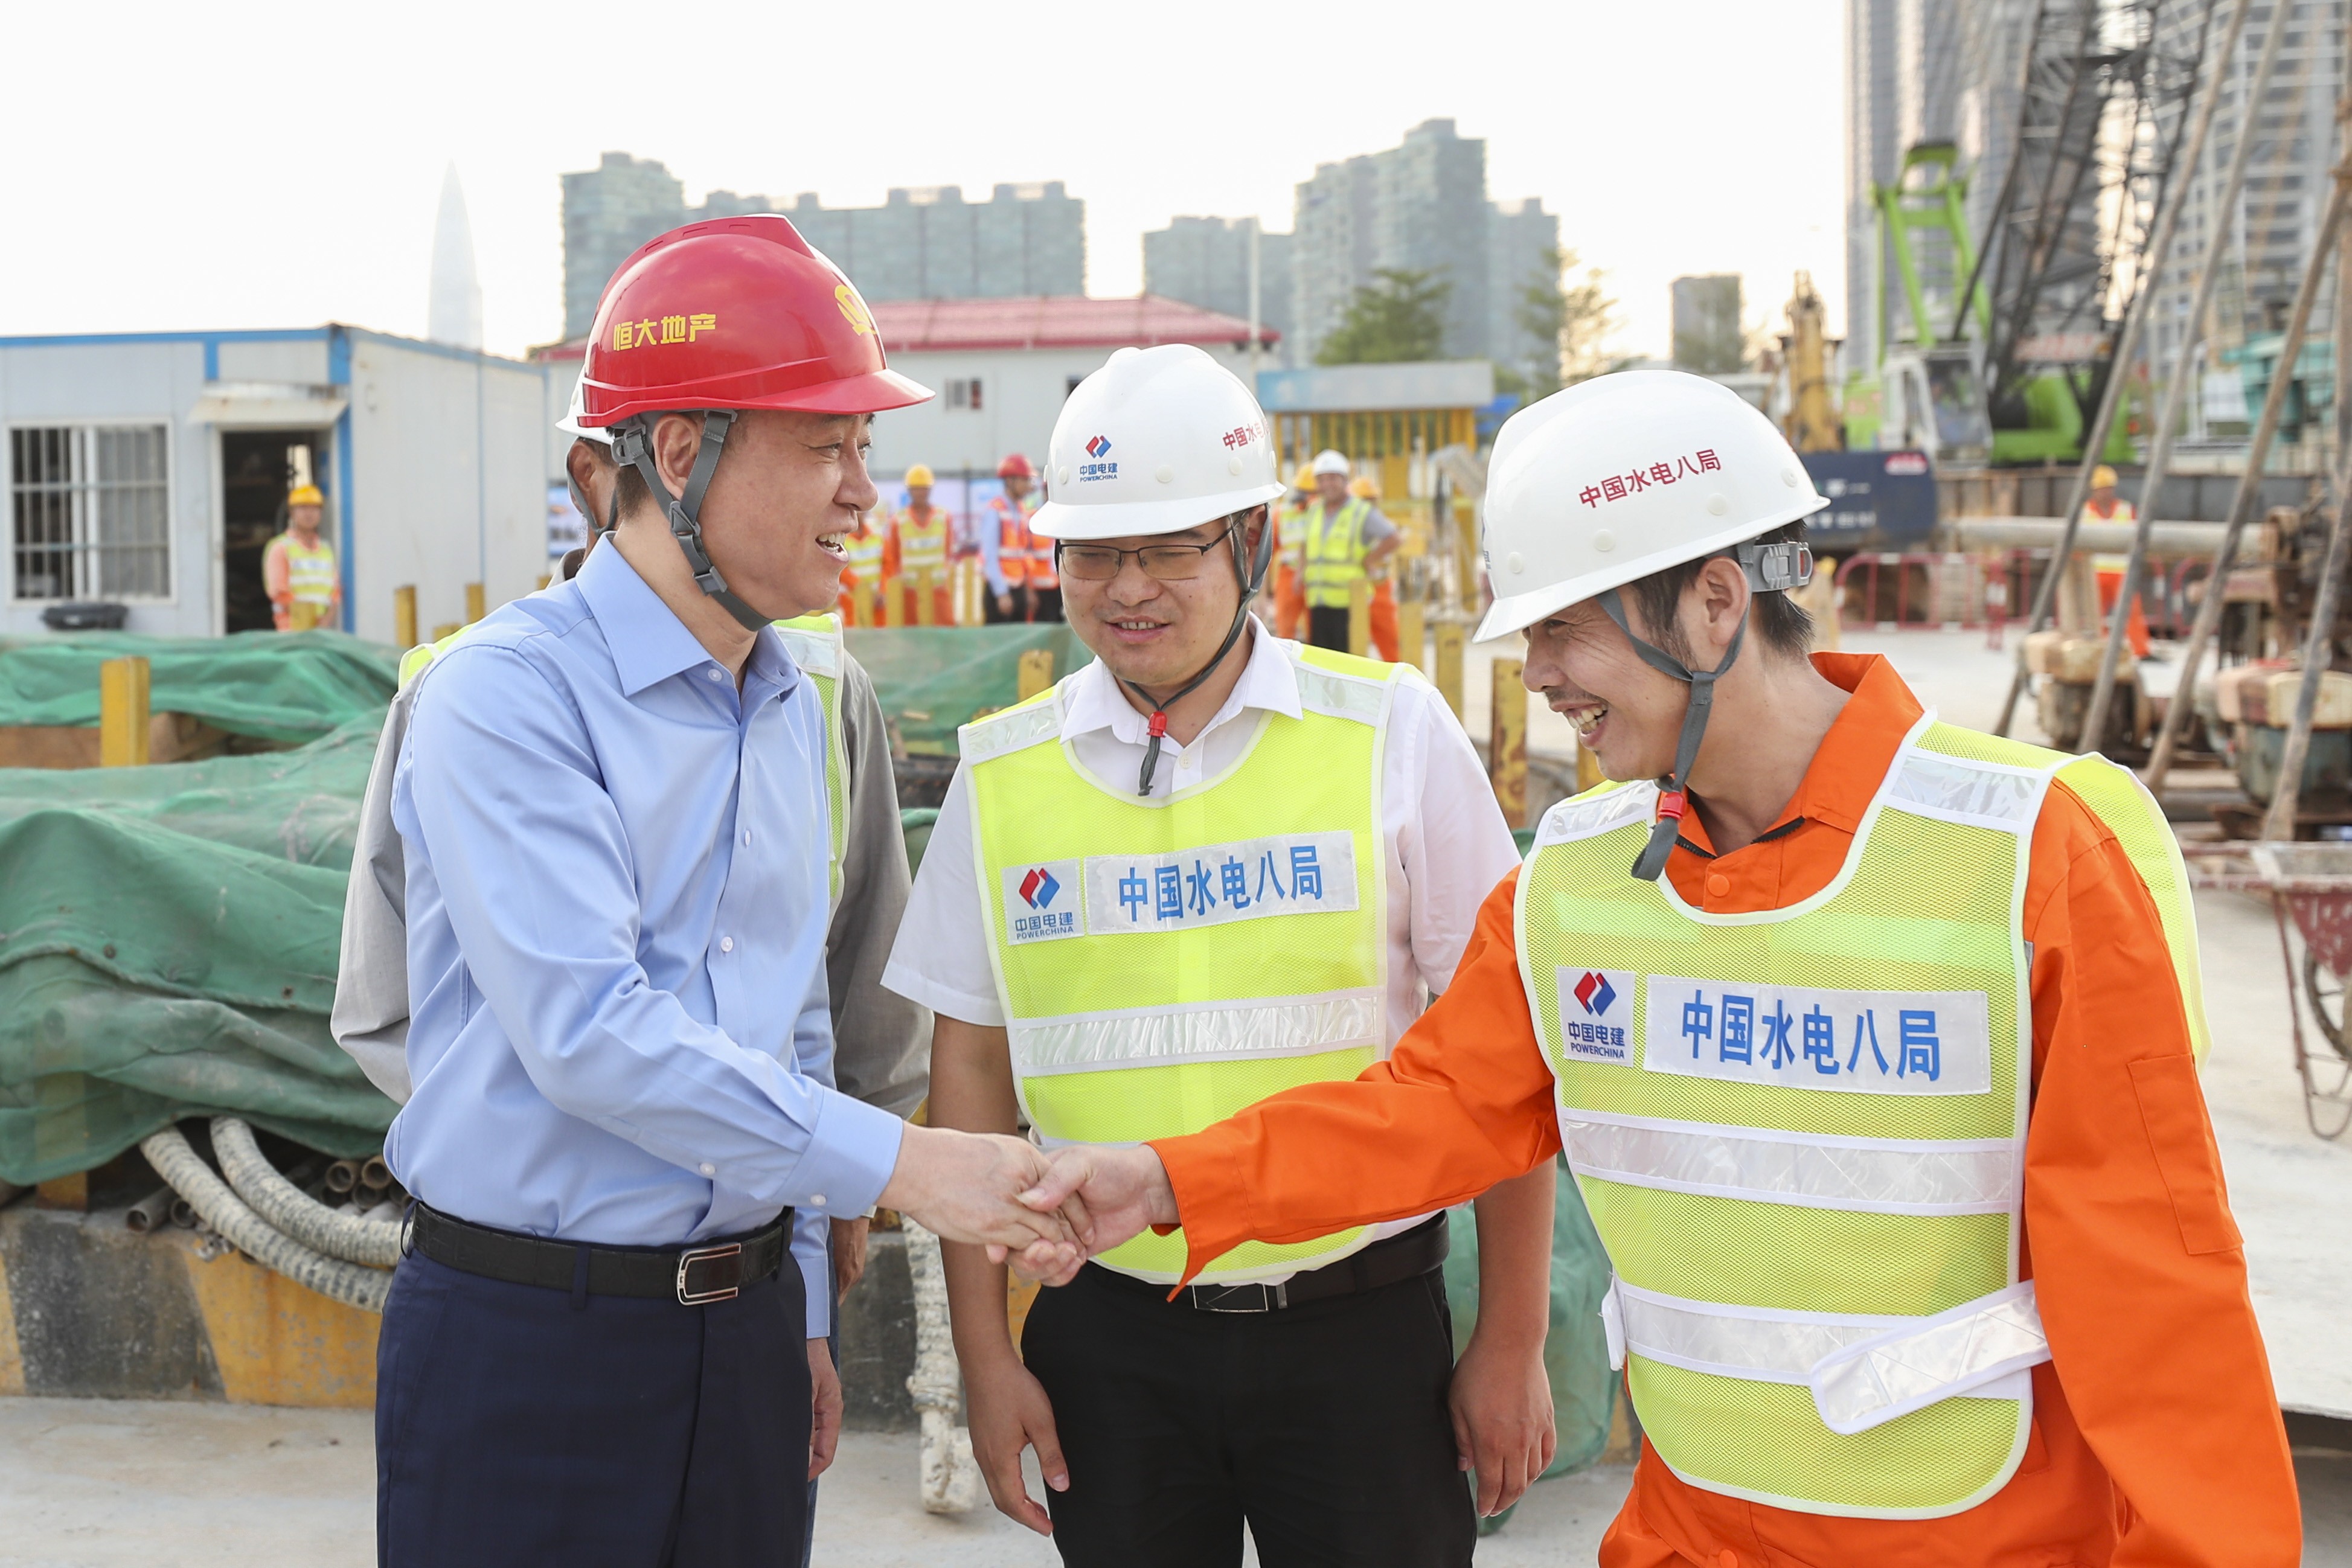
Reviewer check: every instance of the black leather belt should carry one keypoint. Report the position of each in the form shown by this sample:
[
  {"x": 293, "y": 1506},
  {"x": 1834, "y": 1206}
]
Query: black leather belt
[
  {"x": 1386, "y": 1262},
  {"x": 715, "y": 1271}
]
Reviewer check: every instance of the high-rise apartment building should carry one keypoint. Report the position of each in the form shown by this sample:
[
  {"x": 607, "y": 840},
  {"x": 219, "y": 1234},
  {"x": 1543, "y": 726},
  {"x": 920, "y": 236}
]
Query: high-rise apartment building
[
  {"x": 1522, "y": 254},
  {"x": 925, "y": 242},
  {"x": 1206, "y": 262},
  {"x": 1708, "y": 335},
  {"x": 1419, "y": 206},
  {"x": 2269, "y": 228}
]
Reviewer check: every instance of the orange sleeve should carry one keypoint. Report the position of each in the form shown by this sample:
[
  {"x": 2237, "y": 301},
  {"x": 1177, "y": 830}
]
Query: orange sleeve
[
  {"x": 2139, "y": 1268},
  {"x": 1464, "y": 1101},
  {"x": 890, "y": 549}
]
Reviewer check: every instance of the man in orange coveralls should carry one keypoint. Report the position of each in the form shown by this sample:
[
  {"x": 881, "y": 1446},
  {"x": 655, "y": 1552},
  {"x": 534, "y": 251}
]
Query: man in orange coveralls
[{"x": 1884, "y": 1099}]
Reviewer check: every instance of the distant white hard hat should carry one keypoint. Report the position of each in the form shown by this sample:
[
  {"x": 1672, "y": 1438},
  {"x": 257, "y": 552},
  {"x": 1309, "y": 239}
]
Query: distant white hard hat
[
  {"x": 1624, "y": 475},
  {"x": 1329, "y": 461},
  {"x": 1156, "y": 441},
  {"x": 569, "y": 423}
]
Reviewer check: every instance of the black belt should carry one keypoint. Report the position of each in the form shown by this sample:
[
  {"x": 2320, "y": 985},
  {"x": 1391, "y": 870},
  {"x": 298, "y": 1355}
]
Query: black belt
[
  {"x": 1392, "y": 1261},
  {"x": 715, "y": 1271}
]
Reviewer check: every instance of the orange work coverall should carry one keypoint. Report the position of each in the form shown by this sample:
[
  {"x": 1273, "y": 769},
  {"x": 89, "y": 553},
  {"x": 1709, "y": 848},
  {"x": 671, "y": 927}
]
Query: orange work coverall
[{"x": 2156, "y": 1437}]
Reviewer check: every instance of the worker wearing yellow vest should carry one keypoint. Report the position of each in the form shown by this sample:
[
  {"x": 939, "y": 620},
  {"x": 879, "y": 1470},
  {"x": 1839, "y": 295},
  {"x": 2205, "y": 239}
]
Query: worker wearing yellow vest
[
  {"x": 1872, "y": 1042},
  {"x": 2104, "y": 506},
  {"x": 1342, "y": 538},
  {"x": 915, "y": 549},
  {"x": 298, "y": 569},
  {"x": 1290, "y": 554},
  {"x": 861, "y": 578},
  {"x": 1383, "y": 608},
  {"x": 1207, "y": 865}
]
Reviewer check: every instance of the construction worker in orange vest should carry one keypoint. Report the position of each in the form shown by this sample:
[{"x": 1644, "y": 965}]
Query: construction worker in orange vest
[
  {"x": 298, "y": 569},
  {"x": 861, "y": 579},
  {"x": 916, "y": 546},
  {"x": 1289, "y": 565},
  {"x": 1384, "y": 611},
  {"x": 1021, "y": 584}
]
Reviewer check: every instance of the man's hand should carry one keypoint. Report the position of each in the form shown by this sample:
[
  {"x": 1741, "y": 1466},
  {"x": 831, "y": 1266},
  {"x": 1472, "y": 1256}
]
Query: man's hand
[
  {"x": 1004, "y": 608},
  {"x": 1007, "y": 1411},
  {"x": 824, "y": 1407},
  {"x": 971, "y": 1186},
  {"x": 848, "y": 1253},
  {"x": 1107, "y": 1196},
  {"x": 1502, "y": 1411}
]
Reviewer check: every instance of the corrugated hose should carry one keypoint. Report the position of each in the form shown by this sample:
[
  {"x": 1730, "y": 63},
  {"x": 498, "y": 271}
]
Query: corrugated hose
[
  {"x": 287, "y": 1206},
  {"x": 226, "y": 1213}
]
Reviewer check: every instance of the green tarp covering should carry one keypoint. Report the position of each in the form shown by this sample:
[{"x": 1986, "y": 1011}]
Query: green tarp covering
[
  {"x": 931, "y": 680},
  {"x": 278, "y": 686}
]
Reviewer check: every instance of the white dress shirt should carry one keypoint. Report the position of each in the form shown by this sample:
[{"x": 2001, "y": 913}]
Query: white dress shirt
[{"x": 1440, "y": 828}]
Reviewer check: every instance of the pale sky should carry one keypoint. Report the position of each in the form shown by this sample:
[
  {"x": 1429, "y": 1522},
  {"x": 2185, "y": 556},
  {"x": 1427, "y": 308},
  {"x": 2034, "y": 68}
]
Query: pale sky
[{"x": 263, "y": 165}]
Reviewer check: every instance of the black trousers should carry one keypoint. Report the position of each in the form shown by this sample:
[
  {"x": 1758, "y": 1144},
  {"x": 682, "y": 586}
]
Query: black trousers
[
  {"x": 521, "y": 1426},
  {"x": 1326, "y": 627},
  {"x": 1324, "y": 1426},
  {"x": 1046, "y": 605}
]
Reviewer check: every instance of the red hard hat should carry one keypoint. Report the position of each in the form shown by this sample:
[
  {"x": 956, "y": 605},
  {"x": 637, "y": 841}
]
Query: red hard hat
[
  {"x": 735, "y": 313},
  {"x": 1015, "y": 467}
]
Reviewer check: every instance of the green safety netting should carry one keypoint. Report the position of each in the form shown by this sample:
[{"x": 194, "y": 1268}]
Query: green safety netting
[
  {"x": 931, "y": 680},
  {"x": 278, "y": 686}
]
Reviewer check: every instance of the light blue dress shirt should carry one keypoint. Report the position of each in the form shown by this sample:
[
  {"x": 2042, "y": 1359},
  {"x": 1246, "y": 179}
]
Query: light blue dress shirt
[{"x": 617, "y": 906}]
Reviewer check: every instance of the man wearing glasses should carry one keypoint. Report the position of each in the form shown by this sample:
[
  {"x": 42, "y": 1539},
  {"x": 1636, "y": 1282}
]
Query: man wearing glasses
[{"x": 1208, "y": 866}]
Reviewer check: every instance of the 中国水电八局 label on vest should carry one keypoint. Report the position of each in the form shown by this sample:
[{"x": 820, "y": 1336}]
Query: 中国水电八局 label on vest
[
  {"x": 1216, "y": 884},
  {"x": 1596, "y": 1014},
  {"x": 1811, "y": 1037}
]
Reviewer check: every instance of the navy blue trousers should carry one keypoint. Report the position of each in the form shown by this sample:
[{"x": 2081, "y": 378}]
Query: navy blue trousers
[{"x": 516, "y": 1426}]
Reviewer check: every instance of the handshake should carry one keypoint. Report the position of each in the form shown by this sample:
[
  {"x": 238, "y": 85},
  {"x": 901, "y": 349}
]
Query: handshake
[{"x": 1045, "y": 1214}]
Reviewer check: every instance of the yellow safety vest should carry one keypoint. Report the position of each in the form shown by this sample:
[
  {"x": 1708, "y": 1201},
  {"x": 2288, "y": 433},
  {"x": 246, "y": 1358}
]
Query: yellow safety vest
[
  {"x": 922, "y": 545},
  {"x": 814, "y": 644},
  {"x": 1801, "y": 1132},
  {"x": 311, "y": 581},
  {"x": 1335, "y": 549},
  {"x": 864, "y": 552},
  {"x": 1165, "y": 963}
]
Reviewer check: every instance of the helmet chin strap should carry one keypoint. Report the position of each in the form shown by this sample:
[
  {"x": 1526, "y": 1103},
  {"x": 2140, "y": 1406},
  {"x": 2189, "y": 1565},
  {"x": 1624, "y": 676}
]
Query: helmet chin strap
[
  {"x": 1251, "y": 578},
  {"x": 632, "y": 445},
  {"x": 1769, "y": 568}
]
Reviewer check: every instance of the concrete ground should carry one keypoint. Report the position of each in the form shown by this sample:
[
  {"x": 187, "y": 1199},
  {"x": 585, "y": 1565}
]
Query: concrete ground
[{"x": 97, "y": 1483}]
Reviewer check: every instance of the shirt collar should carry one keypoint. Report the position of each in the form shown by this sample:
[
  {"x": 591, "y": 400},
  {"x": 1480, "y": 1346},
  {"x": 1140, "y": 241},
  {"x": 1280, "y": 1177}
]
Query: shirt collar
[
  {"x": 648, "y": 643},
  {"x": 1096, "y": 701},
  {"x": 1845, "y": 772}
]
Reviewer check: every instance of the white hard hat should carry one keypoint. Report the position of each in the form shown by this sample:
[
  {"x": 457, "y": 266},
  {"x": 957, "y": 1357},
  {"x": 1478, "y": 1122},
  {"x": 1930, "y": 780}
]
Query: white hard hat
[
  {"x": 1624, "y": 475},
  {"x": 1329, "y": 461},
  {"x": 569, "y": 423},
  {"x": 1156, "y": 441}
]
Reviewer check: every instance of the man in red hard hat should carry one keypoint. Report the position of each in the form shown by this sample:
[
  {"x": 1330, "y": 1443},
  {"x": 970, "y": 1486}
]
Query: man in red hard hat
[
  {"x": 1021, "y": 584},
  {"x": 607, "y": 1340}
]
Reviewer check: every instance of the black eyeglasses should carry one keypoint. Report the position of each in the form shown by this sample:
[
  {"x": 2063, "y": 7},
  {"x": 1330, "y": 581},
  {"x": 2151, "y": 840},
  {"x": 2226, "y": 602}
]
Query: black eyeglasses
[{"x": 1166, "y": 563}]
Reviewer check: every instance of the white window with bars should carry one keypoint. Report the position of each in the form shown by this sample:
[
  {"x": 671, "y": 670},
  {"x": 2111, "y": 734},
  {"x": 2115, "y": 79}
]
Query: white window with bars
[
  {"x": 91, "y": 507},
  {"x": 964, "y": 393}
]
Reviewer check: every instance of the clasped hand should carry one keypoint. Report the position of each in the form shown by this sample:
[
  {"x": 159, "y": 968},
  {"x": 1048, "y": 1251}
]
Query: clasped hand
[{"x": 1045, "y": 1214}]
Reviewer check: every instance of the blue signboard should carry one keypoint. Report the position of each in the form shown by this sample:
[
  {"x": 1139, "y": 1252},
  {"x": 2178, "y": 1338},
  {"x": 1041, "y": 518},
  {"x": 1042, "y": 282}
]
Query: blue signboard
[{"x": 1878, "y": 500}]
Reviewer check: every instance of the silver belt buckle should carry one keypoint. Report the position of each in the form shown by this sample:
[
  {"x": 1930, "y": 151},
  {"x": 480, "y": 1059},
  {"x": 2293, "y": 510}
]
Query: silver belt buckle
[
  {"x": 689, "y": 1297},
  {"x": 1265, "y": 1299}
]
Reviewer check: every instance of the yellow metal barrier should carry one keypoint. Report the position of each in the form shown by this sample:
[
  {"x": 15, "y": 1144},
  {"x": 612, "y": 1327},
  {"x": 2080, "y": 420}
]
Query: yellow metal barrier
[
  {"x": 474, "y": 611},
  {"x": 404, "y": 617},
  {"x": 122, "y": 713},
  {"x": 1037, "y": 672},
  {"x": 1507, "y": 742}
]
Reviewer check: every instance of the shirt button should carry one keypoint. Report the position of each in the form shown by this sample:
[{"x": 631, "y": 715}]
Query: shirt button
[
  {"x": 817, "y": 1200},
  {"x": 715, "y": 672},
  {"x": 747, "y": 837},
  {"x": 727, "y": 944},
  {"x": 707, "y": 1168},
  {"x": 1719, "y": 886}
]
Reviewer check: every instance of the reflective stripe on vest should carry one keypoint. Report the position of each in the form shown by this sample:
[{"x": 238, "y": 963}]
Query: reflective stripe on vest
[
  {"x": 1801, "y": 1132},
  {"x": 814, "y": 644},
  {"x": 1335, "y": 552},
  {"x": 310, "y": 577},
  {"x": 1163, "y": 964},
  {"x": 1013, "y": 547}
]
